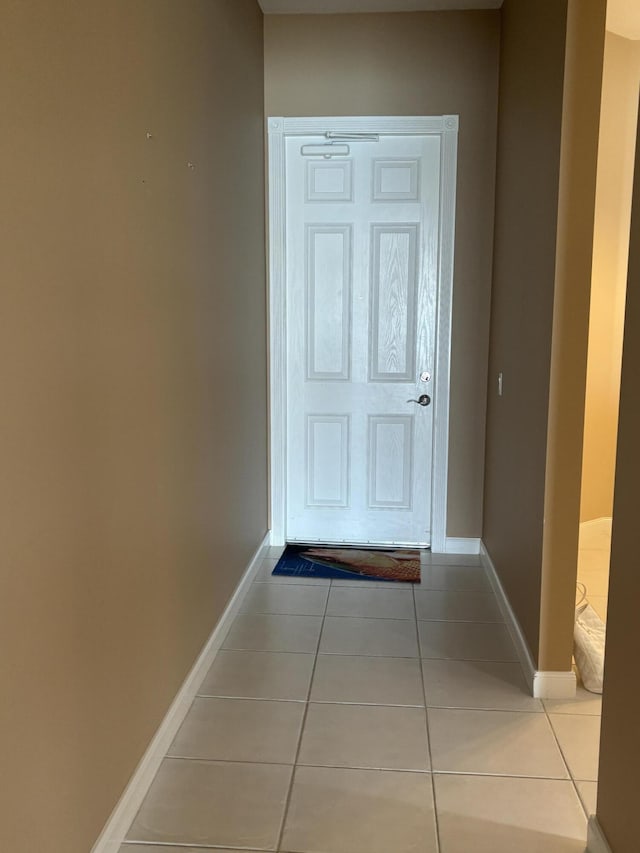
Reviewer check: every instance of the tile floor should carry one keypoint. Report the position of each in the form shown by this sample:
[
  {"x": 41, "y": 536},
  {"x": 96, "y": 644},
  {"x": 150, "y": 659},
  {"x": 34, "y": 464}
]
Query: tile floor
[{"x": 361, "y": 717}]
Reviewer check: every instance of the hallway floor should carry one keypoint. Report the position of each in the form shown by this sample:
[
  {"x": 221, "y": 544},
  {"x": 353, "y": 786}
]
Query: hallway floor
[{"x": 360, "y": 717}]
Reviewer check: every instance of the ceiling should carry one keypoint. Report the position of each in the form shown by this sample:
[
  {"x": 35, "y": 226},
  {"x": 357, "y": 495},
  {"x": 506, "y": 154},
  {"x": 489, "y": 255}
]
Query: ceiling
[{"x": 623, "y": 16}]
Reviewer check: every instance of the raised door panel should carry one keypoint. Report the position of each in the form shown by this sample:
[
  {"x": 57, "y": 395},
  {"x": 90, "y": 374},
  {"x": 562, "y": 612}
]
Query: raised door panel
[
  {"x": 390, "y": 461},
  {"x": 393, "y": 297},
  {"x": 329, "y": 180},
  {"x": 327, "y": 460},
  {"x": 396, "y": 180},
  {"x": 328, "y": 301}
]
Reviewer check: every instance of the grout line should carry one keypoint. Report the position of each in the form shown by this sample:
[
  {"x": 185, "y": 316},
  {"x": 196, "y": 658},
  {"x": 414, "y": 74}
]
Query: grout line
[
  {"x": 266, "y": 652},
  {"x": 364, "y": 704},
  {"x": 485, "y": 590},
  {"x": 328, "y": 654},
  {"x": 201, "y": 760},
  {"x": 194, "y": 846},
  {"x": 432, "y": 772},
  {"x": 409, "y": 619},
  {"x": 499, "y": 775},
  {"x": 488, "y": 710},
  {"x": 231, "y": 698},
  {"x": 474, "y": 708},
  {"x": 331, "y": 615},
  {"x": 285, "y": 812},
  {"x": 426, "y": 722},
  {"x": 463, "y": 622},
  {"x": 312, "y": 702},
  {"x": 417, "y": 770},
  {"x": 574, "y": 781},
  {"x": 471, "y": 660}
]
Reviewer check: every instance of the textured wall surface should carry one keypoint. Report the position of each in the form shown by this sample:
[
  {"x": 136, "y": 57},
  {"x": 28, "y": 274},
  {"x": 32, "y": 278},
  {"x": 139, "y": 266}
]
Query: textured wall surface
[
  {"x": 528, "y": 173},
  {"x": 132, "y": 366},
  {"x": 620, "y": 739}
]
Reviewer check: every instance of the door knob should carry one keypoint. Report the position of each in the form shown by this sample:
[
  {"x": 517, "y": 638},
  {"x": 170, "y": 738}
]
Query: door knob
[{"x": 423, "y": 400}]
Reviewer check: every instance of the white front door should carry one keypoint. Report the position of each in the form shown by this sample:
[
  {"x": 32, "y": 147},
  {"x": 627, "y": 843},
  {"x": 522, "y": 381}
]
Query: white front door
[{"x": 362, "y": 277}]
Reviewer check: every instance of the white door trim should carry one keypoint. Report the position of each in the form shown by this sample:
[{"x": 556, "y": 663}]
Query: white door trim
[{"x": 278, "y": 128}]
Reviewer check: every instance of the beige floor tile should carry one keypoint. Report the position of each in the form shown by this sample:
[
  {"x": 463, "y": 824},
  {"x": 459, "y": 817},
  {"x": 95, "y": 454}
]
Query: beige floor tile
[
  {"x": 367, "y": 736},
  {"x": 579, "y": 739},
  {"x": 584, "y": 703},
  {"x": 240, "y": 730},
  {"x": 367, "y": 680},
  {"x": 457, "y": 606},
  {"x": 378, "y": 637},
  {"x": 466, "y": 641},
  {"x": 487, "y": 814},
  {"x": 360, "y": 811},
  {"x": 260, "y": 632},
  {"x": 259, "y": 675},
  {"x": 504, "y": 743},
  {"x": 224, "y": 804},
  {"x": 264, "y": 576},
  {"x": 589, "y": 795},
  {"x": 285, "y": 599},
  {"x": 376, "y": 603},
  {"x": 455, "y": 578},
  {"x": 490, "y": 685}
]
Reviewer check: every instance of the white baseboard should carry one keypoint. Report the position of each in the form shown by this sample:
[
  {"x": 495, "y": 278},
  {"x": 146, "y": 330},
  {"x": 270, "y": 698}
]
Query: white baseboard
[
  {"x": 113, "y": 834},
  {"x": 596, "y": 841},
  {"x": 457, "y": 545},
  {"x": 542, "y": 685},
  {"x": 554, "y": 684}
]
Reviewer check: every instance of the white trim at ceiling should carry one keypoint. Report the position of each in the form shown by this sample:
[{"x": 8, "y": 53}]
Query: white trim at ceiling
[
  {"x": 278, "y": 129},
  {"x": 333, "y": 7}
]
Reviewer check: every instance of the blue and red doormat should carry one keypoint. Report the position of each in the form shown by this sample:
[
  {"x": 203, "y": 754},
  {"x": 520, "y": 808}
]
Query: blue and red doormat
[{"x": 345, "y": 563}]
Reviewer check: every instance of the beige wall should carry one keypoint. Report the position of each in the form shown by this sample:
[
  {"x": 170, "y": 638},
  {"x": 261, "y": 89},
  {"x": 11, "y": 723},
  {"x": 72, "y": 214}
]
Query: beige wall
[
  {"x": 416, "y": 64},
  {"x": 570, "y": 329},
  {"x": 547, "y": 156},
  {"x": 132, "y": 341},
  {"x": 620, "y": 739},
  {"x": 613, "y": 211},
  {"x": 529, "y": 136}
]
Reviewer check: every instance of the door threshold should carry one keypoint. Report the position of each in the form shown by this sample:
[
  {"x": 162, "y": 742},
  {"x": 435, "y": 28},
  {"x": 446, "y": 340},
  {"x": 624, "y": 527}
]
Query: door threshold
[{"x": 361, "y": 543}]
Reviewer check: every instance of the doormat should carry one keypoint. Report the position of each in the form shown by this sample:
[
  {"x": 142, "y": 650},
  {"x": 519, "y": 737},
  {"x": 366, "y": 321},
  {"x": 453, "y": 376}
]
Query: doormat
[{"x": 373, "y": 564}]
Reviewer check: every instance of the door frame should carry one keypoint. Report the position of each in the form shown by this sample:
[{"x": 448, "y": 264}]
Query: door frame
[{"x": 279, "y": 129}]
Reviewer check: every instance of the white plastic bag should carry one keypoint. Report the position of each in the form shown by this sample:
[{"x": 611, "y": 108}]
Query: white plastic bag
[{"x": 588, "y": 647}]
